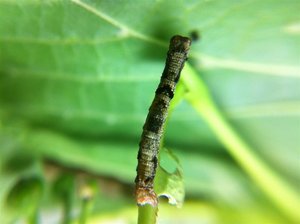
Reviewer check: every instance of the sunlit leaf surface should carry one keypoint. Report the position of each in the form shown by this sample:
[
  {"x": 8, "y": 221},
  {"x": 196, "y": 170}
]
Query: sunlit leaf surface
[{"x": 77, "y": 78}]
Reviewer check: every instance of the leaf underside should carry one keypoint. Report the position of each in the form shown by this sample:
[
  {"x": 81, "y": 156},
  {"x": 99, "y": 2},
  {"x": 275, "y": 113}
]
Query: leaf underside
[{"x": 77, "y": 78}]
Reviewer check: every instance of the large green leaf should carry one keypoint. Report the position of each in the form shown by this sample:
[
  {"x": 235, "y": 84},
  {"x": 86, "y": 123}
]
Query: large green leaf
[{"x": 77, "y": 77}]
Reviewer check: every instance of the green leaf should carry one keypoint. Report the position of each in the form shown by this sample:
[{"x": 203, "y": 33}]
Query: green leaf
[
  {"x": 25, "y": 196},
  {"x": 168, "y": 179},
  {"x": 263, "y": 176},
  {"x": 18, "y": 162},
  {"x": 63, "y": 190},
  {"x": 77, "y": 78}
]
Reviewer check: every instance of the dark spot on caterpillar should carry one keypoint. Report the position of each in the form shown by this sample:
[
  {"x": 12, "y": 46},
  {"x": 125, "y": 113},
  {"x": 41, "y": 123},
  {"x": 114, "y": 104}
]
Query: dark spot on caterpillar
[
  {"x": 167, "y": 90},
  {"x": 155, "y": 162},
  {"x": 149, "y": 179},
  {"x": 154, "y": 124}
]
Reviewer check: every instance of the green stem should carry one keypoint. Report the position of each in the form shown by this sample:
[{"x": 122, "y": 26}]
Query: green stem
[
  {"x": 34, "y": 217},
  {"x": 147, "y": 214},
  {"x": 84, "y": 211},
  {"x": 282, "y": 195},
  {"x": 67, "y": 207}
]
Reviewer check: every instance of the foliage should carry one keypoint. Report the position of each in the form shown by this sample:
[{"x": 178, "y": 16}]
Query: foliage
[{"x": 77, "y": 78}]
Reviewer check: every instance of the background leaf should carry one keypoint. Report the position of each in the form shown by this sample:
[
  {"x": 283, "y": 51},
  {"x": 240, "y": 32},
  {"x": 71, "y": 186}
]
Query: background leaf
[{"x": 77, "y": 78}]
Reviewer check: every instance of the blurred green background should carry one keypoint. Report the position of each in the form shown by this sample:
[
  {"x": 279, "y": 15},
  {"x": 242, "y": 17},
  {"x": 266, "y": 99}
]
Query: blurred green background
[{"x": 76, "y": 81}]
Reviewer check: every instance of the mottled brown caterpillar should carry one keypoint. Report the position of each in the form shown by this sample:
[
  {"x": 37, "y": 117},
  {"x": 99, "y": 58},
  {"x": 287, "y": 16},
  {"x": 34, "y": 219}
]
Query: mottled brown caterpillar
[{"x": 153, "y": 127}]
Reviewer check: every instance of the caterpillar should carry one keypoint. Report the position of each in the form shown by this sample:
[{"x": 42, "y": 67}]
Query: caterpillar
[{"x": 154, "y": 124}]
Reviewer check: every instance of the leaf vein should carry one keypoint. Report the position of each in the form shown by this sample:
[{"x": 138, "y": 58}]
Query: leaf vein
[
  {"x": 86, "y": 78},
  {"x": 125, "y": 29},
  {"x": 210, "y": 62}
]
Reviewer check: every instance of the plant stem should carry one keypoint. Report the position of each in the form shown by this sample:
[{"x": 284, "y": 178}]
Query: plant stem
[
  {"x": 147, "y": 214},
  {"x": 282, "y": 195},
  {"x": 84, "y": 211},
  {"x": 34, "y": 217},
  {"x": 67, "y": 208}
]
